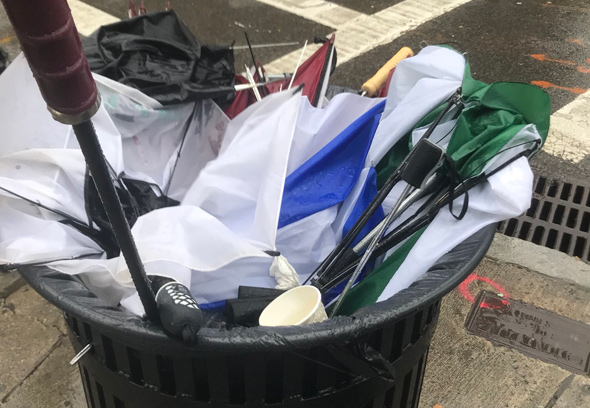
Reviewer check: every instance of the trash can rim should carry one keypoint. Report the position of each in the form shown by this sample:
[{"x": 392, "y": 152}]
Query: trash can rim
[{"x": 73, "y": 298}]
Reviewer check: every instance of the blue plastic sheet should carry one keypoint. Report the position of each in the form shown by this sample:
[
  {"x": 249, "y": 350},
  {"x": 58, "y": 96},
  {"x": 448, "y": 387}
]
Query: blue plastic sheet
[{"x": 327, "y": 178}]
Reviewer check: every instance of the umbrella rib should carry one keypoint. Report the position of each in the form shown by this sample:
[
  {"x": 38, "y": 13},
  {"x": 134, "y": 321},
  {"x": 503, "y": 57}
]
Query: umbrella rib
[
  {"x": 41, "y": 205},
  {"x": 325, "y": 78},
  {"x": 536, "y": 142},
  {"x": 11, "y": 266},
  {"x": 184, "y": 135},
  {"x": 412, "y": 224},
  {"x": 370, "y": 249},
  {"x": 253, "y": 83},
  {"x": 256, "y": 67},
  {"x": 297, "y": 66},
  {"x": 335, "y": 255}
]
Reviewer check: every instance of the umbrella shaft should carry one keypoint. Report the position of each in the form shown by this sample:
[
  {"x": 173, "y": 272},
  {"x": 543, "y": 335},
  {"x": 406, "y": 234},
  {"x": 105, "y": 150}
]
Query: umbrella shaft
[
  {"x": 369, "y": 252},
  {"x": 97, "y": 165}
]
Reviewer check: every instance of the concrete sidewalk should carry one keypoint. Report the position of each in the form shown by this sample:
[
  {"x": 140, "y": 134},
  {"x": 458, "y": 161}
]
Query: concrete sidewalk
[{"x": 463, "y": 371}]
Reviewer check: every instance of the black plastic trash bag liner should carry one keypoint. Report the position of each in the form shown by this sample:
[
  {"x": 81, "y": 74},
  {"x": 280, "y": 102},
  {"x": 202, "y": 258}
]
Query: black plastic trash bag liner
[{"x": 158, "y": 55}]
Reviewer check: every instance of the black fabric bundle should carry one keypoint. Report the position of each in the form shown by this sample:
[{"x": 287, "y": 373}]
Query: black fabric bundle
[{"x": 158, "y": 55}]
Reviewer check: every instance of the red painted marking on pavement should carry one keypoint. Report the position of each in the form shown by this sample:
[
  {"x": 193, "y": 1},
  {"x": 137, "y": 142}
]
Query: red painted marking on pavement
[
  {"x": 464, "y": 287},
  {"x": 546, "y": 84},
  {"x": 575, "y": 41},
  {"x": 543, "y": 57}
]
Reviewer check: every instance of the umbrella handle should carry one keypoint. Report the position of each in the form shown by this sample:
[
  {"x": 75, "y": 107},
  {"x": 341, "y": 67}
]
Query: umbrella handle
[
  {"x": 50, "y": 41},
  {"x": 378, "y": 80},
  {"x": 179, "y": 312}
]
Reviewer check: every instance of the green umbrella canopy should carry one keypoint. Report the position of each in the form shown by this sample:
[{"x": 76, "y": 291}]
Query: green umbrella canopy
[{"x": 491, "y": 122}]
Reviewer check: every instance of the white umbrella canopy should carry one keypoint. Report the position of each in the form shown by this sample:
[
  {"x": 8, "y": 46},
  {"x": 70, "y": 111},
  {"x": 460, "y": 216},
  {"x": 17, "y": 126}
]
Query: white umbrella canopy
[
  {"x": 241, "y": 193},
  {"x": 43, "y": 173},
  {"x": 40, "y": 160},
  {"x": 229, "y": 179}
]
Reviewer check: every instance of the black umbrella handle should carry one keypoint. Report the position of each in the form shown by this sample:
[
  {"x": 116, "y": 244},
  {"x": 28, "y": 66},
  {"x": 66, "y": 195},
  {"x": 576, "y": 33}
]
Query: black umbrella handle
[
  {"x": 50, "y": 41},
  {"x": 179, "y": 311}
]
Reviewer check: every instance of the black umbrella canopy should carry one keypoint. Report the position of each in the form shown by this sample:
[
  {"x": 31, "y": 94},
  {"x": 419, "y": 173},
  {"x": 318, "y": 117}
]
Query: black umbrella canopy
[{"x": 158, "y": 55}]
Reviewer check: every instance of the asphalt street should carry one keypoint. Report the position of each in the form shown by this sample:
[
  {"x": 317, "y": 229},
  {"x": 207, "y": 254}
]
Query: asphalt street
[
  {"x": 526, "y": 41},
  {"x": 546, "y": 43}
]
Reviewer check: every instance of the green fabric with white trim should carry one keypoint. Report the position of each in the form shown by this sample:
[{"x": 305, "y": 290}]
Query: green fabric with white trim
[
  {"x": 493, "y": 116},
  {"x": 367, "y": 291}
]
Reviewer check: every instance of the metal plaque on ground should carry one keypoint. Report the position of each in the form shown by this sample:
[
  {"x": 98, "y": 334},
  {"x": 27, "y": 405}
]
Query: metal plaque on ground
[{"x": 536, "y": 332}]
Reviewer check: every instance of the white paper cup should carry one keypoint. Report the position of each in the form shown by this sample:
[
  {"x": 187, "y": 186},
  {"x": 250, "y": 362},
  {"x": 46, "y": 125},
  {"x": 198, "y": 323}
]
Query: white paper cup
[{"x": 300, "y": 305}]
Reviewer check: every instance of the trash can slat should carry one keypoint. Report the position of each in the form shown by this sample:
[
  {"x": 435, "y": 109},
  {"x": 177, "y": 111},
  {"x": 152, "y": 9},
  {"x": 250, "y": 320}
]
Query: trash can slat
[
  {"x": 419, "y": 379},
  {"x": 255, "y": 379},
  {"x": 218, "y": 380},
  {"x": 327, "y": 369},
  {"x": 293, "y": 376},
  {"x": 201, "y": 379},
  {"x": 183, "y": 374},
  {"x": 274, "y": 369},
  {"x": 401, "y": 397},
  {"x": 105, "y": 398},
  {"x": 387, "y": 338},
  {"x": 87, "y": 387},
  {"x": 149, "y": 363},
  {"x": 122, "y": 358}
]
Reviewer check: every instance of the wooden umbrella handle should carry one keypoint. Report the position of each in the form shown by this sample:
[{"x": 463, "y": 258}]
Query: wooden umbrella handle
[{"x": 378, "y": 80}]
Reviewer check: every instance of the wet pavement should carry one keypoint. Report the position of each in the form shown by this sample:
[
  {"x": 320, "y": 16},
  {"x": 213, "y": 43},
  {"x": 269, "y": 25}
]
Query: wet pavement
[
  {"x": 534, "y": 41},
  {"x": 499, "y": 39},
  {"x": 224, "y": 22}
]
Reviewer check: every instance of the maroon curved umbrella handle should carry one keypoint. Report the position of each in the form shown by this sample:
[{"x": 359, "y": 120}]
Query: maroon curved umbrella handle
[{"x": 50, "y": 41}]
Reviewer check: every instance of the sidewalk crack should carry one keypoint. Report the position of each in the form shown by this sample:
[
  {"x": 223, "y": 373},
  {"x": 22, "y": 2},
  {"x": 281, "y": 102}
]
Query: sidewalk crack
[
  {"x": 35, "y": 368},
  {"x": 560, "y": 390}
]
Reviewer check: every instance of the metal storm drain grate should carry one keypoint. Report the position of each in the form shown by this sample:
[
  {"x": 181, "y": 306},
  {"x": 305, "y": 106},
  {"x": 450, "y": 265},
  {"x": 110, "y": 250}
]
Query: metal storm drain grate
[{"x": 559, "y": 218}]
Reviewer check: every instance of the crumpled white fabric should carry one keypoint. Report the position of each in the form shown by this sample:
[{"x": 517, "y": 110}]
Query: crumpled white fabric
[
  {"x": 418, "y": 86},
  {"x": 216, "y": 239}
]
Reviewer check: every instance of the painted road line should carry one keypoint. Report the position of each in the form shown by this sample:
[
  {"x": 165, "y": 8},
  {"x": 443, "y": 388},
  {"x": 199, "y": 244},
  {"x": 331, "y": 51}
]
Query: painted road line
[
  {"x": 320, "y": 11},
  {"x": 88, "y": 18},
  {"x": 568, "y": 134},
  {"x": 364, "y": 33}
]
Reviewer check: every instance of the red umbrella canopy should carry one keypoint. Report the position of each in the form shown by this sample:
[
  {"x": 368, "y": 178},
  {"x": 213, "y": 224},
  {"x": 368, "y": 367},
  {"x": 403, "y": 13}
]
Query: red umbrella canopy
[{"x": 311, "y": 73}]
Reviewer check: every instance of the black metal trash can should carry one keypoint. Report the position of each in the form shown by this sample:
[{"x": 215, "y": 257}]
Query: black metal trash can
[{"x": 375, "y": 358}]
